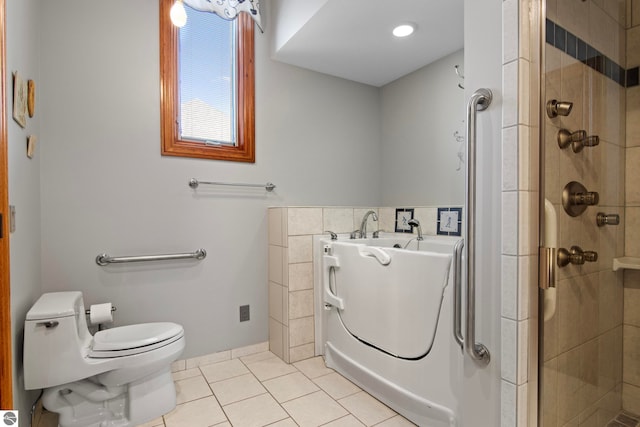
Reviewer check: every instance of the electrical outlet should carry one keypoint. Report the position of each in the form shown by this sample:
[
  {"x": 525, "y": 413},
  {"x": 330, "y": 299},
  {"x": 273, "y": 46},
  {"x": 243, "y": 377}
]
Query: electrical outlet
[{"x": 244, "y": 313}]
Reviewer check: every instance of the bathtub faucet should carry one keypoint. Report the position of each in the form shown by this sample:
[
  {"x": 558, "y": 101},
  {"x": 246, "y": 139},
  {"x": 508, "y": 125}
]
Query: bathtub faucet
[
  {"x": 415, "y": 223},
  {"x": 363, "y": 225}
]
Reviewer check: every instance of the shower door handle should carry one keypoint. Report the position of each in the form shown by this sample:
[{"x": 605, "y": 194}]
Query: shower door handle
[{"x": 480, "y": 100}]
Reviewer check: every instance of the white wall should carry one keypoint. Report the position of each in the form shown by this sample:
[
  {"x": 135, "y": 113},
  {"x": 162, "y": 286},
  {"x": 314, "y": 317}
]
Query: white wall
[
  {"x": 285, "y": 25},
  {"x": 24, "y": 184},
  {"x": 105, "y": 187},
  {"x": 420, "y": 113},
  {"x": 483, "y": 69}
]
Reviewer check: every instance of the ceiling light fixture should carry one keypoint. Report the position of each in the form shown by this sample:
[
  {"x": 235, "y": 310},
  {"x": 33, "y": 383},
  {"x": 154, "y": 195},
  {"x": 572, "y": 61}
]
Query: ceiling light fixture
[
  {"x": 178, "y": 14},
  {"x": 404, "y": 30}
]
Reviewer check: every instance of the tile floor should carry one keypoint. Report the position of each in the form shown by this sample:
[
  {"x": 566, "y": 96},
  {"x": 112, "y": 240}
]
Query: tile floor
[{"x": 262, "y": 390}]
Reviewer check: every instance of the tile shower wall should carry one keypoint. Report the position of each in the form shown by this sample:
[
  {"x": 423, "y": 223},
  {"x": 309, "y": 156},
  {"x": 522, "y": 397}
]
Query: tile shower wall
[
  {"x": 291, "y": 230},
  {"x": 520, "y": 195},
  {"x": 582, "y": 370},
  {"x": 631, "y": 328}
]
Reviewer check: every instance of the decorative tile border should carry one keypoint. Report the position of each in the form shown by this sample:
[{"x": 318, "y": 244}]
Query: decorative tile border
[
  {"x": 403, "y": 216},
  {"x": 449, "y": 222},
  {"x": 577, "y": 48}
]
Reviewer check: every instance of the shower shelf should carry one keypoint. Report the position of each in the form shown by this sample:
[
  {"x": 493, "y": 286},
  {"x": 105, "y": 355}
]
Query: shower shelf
[{"x": 629, "y": 263}]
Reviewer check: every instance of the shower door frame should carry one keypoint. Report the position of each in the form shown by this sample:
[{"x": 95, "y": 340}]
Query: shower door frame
[
  {"x": 537, "y": 403},
  {"x": 536, "y": 400}
]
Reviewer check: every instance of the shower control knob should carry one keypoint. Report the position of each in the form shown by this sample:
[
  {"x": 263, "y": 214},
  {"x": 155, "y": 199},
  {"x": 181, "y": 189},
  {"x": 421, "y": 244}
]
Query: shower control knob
[
  {"x": 591, "y": 141},
  {"x": 566, "y": 137},
  {"x": 590, "y": 256},
  {"x": 566, "y": 257},
  {"x": 588, "y": 198},
  {"x": 603, "y": 219},
  {"x": 577, "y": 140},
  {"x": 575, "y": 256},
  {"x": 576, "y": 198}
]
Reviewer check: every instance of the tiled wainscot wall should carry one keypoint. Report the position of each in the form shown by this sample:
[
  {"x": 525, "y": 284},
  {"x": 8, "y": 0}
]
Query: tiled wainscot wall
[{"x": 291, "y": 231}]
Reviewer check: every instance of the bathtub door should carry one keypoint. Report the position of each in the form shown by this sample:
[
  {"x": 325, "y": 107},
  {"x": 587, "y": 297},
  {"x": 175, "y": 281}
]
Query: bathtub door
[{"x": 394, "y": 307}]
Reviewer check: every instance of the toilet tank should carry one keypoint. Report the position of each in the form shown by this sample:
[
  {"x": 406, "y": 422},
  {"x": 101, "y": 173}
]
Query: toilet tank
[{"x": 55, "y": 339}]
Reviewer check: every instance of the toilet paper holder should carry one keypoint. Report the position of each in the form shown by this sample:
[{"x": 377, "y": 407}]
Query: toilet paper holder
[{"x": 88, "y": 312}]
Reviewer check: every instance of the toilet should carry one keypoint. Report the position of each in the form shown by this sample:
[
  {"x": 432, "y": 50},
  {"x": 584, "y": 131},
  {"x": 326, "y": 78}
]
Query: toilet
[{"x": 119, "y": 377}]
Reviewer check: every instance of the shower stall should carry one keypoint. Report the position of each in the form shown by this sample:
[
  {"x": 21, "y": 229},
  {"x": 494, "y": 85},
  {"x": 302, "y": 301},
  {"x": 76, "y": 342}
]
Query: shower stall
[{"x": 589, "y": 305}]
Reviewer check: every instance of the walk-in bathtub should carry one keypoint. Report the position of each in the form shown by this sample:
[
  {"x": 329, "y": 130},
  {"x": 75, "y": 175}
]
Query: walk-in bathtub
[{"x": 385, "y": 320}]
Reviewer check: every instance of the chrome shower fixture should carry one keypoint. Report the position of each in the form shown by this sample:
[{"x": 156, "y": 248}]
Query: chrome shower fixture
[
  {"x": 577, "y": 140},
  {"x": 566, "y": 137},
  {"x": 576, "y": 198},
  {"x": 363, "y": 225},
  {"x": 603, "y": 219},
  {"x": 557, "y": 108},
  {"x": 575, "y": 256},
  {"x": 415, "y": 223}
]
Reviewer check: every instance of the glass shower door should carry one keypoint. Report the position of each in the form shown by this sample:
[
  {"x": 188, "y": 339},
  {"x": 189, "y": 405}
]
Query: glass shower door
[{"x": 588, "y": 79}]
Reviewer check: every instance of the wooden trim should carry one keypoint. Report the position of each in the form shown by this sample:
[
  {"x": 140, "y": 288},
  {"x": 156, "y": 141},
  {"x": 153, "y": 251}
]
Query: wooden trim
[
  {"x": 6, "y": 356},
  {"x": 246, "y": 87},
  {"x": 172, "y": 145}
]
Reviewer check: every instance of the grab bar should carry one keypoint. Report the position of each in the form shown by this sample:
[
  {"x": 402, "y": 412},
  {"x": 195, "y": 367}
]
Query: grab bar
[
  {"x": 457, "y": 293},
  {"x": 104, "y": 259},
  {"x": 479, "y": 101},
  {"x": 193, "y": 183},
  {"x": 330, "y": 264}
]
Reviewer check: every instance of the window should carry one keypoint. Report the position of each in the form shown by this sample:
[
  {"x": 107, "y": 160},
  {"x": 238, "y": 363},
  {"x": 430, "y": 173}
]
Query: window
[{"x": 207, "y": 86}]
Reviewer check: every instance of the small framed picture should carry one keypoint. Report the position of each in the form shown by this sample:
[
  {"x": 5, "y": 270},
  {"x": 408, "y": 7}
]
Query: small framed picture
[
  {"x": 449, "y": 222},
  {"x": 403, "y": 216},
  {"x": 31, "y": 145},
  {"x": 31, "y": 97},
  {"x": 19, "y": 100}
]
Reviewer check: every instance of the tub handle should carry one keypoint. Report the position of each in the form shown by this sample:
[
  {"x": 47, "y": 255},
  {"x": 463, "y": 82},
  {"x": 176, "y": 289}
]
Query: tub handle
[
  {"x": 457, "y": 293},
  {"x": 330, "y": 263},
  {"x": 377, "y": 253},
  {"x": 480, "y": 100}
]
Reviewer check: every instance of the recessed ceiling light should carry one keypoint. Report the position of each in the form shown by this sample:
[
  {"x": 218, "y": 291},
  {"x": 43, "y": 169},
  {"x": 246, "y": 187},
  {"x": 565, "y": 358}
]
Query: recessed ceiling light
[{"x": 404, "y": 30}]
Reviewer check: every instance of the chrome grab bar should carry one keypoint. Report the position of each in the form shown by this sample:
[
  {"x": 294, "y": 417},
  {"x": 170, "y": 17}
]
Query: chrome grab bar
[
  {"x": 193, "y": 183},
  {"x": 457, "y": 293},
  {"x": 104, "y": 259},
  {"x": 479, "y": 101}
]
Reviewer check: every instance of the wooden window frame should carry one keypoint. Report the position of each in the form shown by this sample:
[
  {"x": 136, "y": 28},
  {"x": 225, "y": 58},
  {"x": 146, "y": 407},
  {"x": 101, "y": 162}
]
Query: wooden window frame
[
  {"x": 6, "y": 353},
  {"x": 172, "y": 144}
]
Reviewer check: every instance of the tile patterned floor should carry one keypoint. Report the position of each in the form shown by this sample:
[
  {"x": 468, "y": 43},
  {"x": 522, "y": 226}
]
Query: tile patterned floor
[{"x": 262, "y": 390}]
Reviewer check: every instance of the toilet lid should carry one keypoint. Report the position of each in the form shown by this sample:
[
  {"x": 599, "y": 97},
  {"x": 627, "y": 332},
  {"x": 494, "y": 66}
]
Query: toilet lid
[
  {"x": 110, "y": 354},
  {"x": 134, "y": 336}
]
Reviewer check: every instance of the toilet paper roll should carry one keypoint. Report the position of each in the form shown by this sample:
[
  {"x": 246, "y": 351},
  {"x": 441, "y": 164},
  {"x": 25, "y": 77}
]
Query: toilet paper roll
[{"x": 100, "y": 313}]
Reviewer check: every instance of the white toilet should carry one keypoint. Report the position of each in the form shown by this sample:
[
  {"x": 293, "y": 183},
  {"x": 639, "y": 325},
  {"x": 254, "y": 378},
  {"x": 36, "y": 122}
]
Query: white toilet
[{"x": 119, "y": 377}]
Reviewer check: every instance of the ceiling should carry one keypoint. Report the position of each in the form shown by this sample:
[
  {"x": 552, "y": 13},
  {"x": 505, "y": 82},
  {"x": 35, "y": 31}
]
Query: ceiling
[{"x": 352, "y": 38}]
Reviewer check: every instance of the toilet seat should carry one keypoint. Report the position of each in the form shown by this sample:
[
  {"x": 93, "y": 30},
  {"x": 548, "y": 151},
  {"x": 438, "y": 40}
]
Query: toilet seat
[{"x": 134, "y": 339}]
